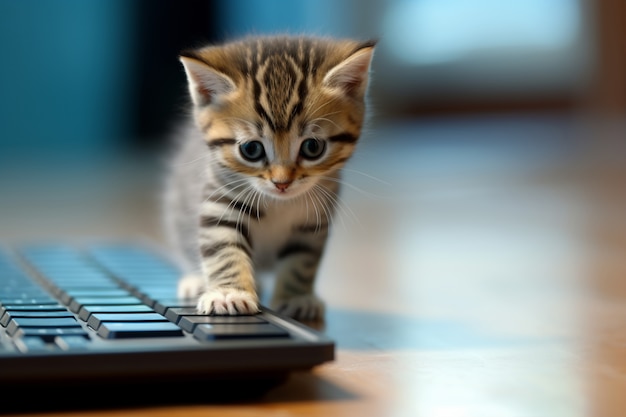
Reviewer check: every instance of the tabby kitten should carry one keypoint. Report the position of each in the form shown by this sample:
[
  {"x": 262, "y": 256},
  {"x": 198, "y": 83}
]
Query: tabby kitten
[{"x": 255, "y": 182}]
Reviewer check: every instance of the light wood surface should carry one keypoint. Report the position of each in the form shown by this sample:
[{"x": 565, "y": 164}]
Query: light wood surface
[{"x": 478, "y": 269}]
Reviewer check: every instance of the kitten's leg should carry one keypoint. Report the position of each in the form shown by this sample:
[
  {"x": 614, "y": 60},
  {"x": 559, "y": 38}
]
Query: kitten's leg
[
  {"x": 295, "y": 278},
  {"x": 227, "y": 269}
]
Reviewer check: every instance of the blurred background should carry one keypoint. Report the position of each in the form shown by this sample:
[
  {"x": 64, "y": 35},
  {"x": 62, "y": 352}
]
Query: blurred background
[{"x": 91, "y": 90}]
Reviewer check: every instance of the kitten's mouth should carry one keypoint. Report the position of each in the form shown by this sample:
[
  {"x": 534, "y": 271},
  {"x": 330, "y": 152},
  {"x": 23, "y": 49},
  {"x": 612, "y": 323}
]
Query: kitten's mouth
[{"x": 285, "y": 190}]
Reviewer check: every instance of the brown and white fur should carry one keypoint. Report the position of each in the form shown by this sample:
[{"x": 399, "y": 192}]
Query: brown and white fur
[{"x": 254, "y": 183}]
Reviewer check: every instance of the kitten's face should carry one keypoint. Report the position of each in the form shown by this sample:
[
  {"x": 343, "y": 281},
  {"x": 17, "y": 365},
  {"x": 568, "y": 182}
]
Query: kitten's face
[
  {"x": 280, "y": 115},
  {"x": 284, "y": 163}
]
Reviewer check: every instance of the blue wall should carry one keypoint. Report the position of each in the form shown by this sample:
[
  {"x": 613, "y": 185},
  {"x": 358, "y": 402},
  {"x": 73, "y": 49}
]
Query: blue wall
[
  {"x": 320, "y": 17},
  {"x": 63, "y": 83},
  {"x": 79, "y": 76}
]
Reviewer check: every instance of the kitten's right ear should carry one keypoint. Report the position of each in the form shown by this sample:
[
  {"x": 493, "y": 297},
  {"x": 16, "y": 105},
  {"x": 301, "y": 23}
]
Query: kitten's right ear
[
  {"x": 205, "y": 83},
  {"x": 351, "y": 75}
]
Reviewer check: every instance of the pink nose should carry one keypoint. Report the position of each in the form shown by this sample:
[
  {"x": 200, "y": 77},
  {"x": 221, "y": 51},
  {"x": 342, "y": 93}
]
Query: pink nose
[{"x": 282, "y": 186}]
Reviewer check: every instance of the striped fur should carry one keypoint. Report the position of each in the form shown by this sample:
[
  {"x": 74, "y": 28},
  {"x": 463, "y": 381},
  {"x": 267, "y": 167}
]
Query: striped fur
[{"x": 255, "y": 181}]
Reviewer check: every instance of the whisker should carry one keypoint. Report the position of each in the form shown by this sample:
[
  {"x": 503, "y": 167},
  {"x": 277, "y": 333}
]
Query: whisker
[
  {"x": 327, "y": 120},
  {"x": 318, "y": 219},
  {"x": 245, "y": 192},
  {"x": 339, "y": 204},
  {"x": 367, "y": 175},
  {"x": 210, "y": 156},
  {"x": 249, "y": 200},
  {"x": 235, "y": 199},
  {"x": 308, "y": 105},
  {"x": 228, "y": 187},
  {"x": 326, "y": 205},
  {"x": 231, "y": 205},
  {"x": 324, "y": 116},
  {"x": 353, "y": 187},
  {"x": 301, "y": 200},
  {"x": 258, "y": 204},
  {"x": 329, "y": 218}
]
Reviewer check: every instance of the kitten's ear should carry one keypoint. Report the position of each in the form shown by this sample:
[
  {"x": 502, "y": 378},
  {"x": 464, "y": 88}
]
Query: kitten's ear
[
  {"x": 205, "y": 83},
  {"x": 351, "y": 74}
]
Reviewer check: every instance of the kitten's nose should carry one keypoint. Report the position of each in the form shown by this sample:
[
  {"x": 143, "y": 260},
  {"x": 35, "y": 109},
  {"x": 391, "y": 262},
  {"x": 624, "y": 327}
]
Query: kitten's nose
[{"x": 282, "y": 185}]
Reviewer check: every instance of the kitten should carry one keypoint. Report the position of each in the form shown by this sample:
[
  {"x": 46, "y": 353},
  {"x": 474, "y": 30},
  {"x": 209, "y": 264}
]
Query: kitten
[{"x": 255, "y": 182}]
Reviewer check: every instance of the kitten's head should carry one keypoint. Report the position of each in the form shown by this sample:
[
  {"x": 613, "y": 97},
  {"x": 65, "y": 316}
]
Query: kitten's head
[{"x": 280, "y": 113}]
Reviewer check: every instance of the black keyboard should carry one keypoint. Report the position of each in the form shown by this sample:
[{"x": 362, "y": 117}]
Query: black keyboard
[{"x": 110, "y": 312}]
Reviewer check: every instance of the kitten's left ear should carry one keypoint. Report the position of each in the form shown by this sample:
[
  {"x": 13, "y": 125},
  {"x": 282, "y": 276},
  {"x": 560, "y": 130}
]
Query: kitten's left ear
[
  {"x": 351, "y": 74},
  {"x": 205, "y": 83}
]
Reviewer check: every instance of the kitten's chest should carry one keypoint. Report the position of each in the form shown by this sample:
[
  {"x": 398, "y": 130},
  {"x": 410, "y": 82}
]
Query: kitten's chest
[{"x": 272, "y": 232}]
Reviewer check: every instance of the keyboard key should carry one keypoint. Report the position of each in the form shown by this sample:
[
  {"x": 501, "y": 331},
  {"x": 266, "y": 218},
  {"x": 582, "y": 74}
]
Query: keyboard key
[
  {"x": 189, "y": 323},
  {"x": 21, "y": 300},
  {"x": 8, "y": 292},
  {"x": 97, "y": 318},
  {"x": 161, "y": 305},
  {"x": 67, "y": 295},
  {"x": 40, "y": 313},
  {"x": 38, "y": 310},
  {"x": 86, "y": 311},
  {"x": 45, "y": 322},
  {"x": 71, "y": 342},
  {"x": 31, "y": 344},
  {"x": 174, "y": 314},
  {"x": 150, "y": 296},
  {"x": 79, "y": 302},
  {"x": 40, "y": 325},
  {"x": 48, "y": 333},
  {"x": 96, "y": 292},
  {"x": 32, "y": 307},
  {"x": 6, "y": 318},
  {"x": 82, "y": 282},
  {"x": 159, "y": 290},
  {"x": 69, "y": 279},
  {"x": 236, "y": 331},
  {"x": 127, "y": 330}
]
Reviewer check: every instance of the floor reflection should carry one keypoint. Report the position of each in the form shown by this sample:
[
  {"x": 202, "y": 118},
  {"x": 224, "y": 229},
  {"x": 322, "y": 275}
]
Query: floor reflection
[{"x": 365, "y": 330}]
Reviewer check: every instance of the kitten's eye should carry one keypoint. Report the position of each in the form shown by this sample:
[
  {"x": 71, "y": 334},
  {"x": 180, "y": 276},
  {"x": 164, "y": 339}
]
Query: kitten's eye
[
  {"x": 312, "y": 148},
  {"x": 252, "y": 151}
]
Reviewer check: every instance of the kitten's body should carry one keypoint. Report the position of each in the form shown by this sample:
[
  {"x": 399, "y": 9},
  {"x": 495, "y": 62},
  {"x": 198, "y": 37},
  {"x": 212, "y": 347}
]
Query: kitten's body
[{"x": 255, "y": 181}]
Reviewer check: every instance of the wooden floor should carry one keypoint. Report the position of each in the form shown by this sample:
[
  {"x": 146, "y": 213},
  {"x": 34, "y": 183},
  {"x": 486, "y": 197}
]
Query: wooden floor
[{"x": 478, "y": 269}]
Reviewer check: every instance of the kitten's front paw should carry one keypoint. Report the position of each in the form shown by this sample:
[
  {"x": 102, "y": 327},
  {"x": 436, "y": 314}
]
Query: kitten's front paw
[
  {"x": 303, "y": 308},
  {"x": 229, "y": 301},
  {"x": 190, "y": 286}
]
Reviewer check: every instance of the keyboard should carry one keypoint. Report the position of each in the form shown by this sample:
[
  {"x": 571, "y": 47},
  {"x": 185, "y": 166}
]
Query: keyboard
[{"x": 109, "y": 312}]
